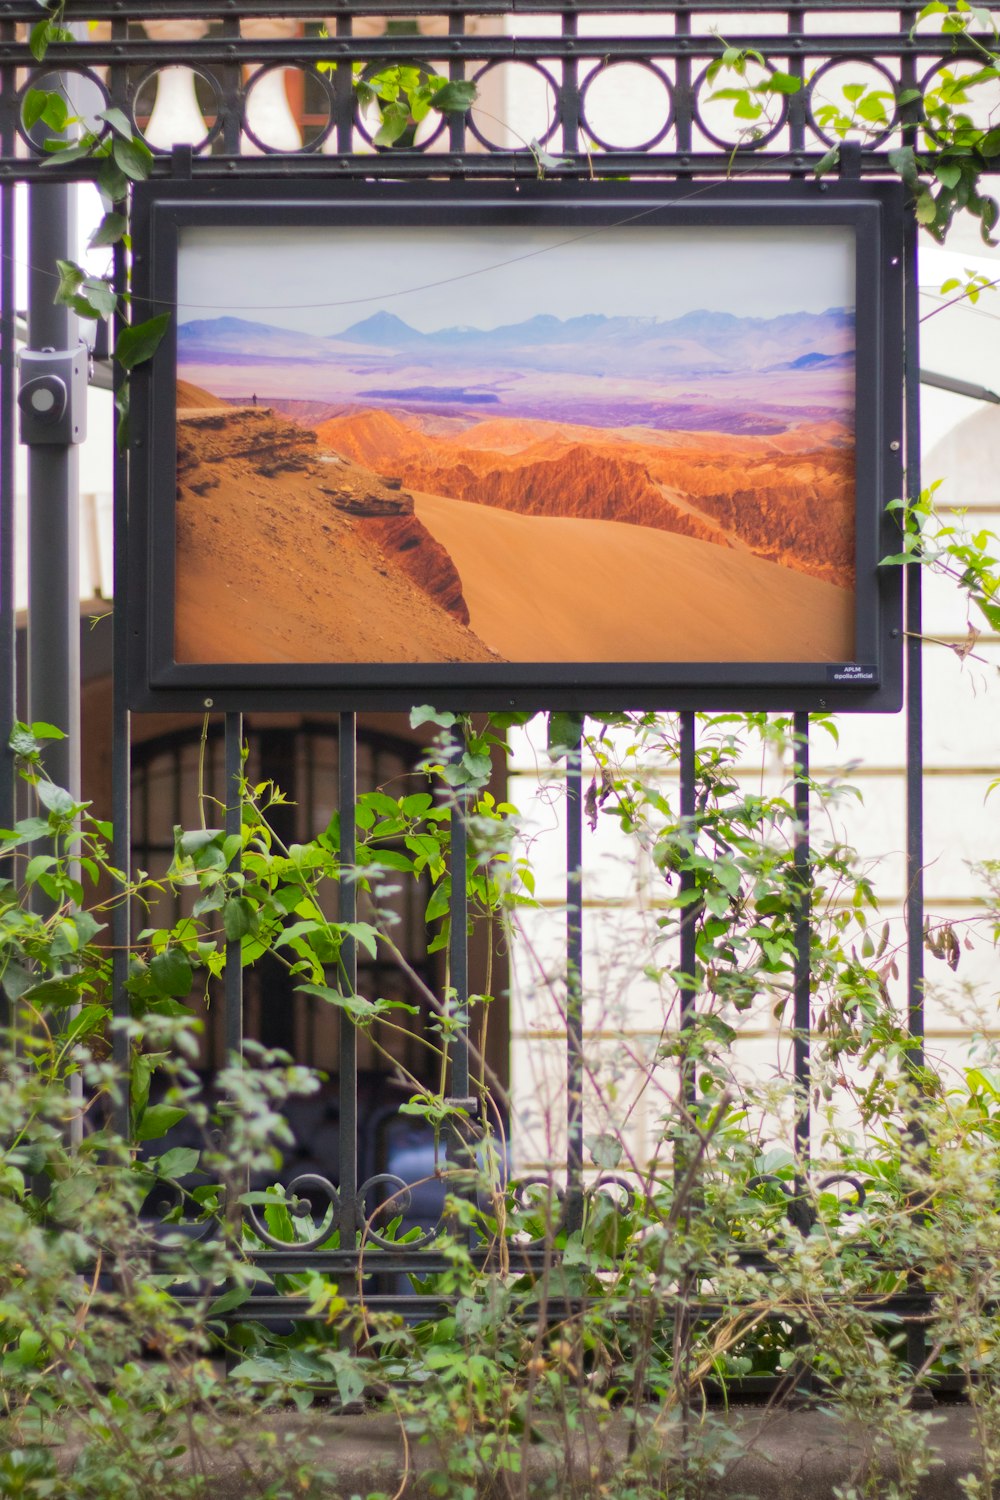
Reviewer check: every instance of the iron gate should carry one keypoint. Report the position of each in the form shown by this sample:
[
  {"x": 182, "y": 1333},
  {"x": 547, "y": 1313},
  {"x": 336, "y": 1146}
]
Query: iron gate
[{"x": 567, "y": 44}]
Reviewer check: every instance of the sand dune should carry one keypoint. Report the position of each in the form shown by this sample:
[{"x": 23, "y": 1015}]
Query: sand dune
[
  {"x": 273, "y": 564},
  {"x": 545, "y": 588},
  {"x": 791, "y": 503}
]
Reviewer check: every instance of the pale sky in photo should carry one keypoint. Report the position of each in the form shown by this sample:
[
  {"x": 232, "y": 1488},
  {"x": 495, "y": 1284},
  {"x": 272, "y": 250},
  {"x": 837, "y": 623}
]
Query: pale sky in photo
[{"x": 321, "y": 280}]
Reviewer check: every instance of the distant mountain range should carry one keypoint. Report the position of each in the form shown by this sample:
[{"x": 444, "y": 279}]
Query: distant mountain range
[
  {"x": 699, "y": 342},
  {"x": 385, "y": 330}
]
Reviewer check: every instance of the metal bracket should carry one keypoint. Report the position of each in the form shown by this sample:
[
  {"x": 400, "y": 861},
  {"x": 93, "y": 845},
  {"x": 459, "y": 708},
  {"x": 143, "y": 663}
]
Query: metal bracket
[
  {"x": 850, "y": 161},
  {"x": 52, "y": 396},
  {"x": 181, "y": 161}
]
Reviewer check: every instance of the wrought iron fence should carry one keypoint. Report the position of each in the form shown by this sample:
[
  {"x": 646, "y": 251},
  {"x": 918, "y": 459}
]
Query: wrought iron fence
[{"x": 570, "y": 49}]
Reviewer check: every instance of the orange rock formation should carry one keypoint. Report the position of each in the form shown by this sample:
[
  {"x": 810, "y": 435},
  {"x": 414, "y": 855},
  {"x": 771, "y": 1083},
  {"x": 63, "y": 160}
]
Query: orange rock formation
[
  {"x": 788, "y": 498},
  {"x": 288, "y": 554}
]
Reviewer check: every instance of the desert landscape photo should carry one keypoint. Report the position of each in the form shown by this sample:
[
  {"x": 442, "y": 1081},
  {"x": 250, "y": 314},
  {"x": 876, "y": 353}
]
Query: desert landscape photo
[{"x": 506, "y": 447}]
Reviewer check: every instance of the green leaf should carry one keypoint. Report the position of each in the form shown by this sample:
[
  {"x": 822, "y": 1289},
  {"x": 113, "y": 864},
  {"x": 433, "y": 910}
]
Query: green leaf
[
  {"x": 395, "y": 121},
  {"x": 22, "y": 741},
  {"x": 38, "y": 866},
  {"x": 904, "y": 162},
  {"x": 71, "y": 278},
  {"x": 118, "y": 121},
  {"x": 363, "y": 933},
  {"x": 33, "y": 107},
  {"x": 427, "y": 715},
  {"x": 564, "y": 733},
  {"x": 157, "y": 1120},
  {"x": 100, "y": 295},
  {"x": 606, "y": 1151},
  {"x": 132, "y": 158},
  {"x": 25, "y": 830},
  {"x": 43, "y": 34},
  {"x": 235, "y": 1297},
  {"x": 948, "y": 173},
  {"x": 171, "y": 972},
  {"x": 455, "y": 97},
  {"x": 110, "y": 230},
  {"x": 62, "y": 990},
  {"x": 783, "y": 83},
  {"x": 46, "y": 106},
  {"x": 91, "y": 1019},
  {"x": 140, "y": 341},
  {"x": 355, "y": 1005},
  {"x": 71, "y": 1195},
  {"x": 43, "y": 731},
  {"x": 16, "y": 979},
  {"x": 143, "y": 1067},
  {"x": 925, "y": 209},
  {"x": 239, "y": 917},
  {"x": 112, "y": 180},
  {"x": 177, "y": 1162},
  {"x": 195, "y": 839},
  {"x": 56, "y": 799}
]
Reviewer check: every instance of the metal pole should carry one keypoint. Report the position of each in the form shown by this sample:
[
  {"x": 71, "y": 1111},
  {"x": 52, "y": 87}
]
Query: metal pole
[
  {"x": 803, "y": 1020},
  {"x": 914, "y": 679},
  {"x": 8, "y": 639},
  {"x": 574, "y": 982},
  {"x": 347, "y": 774},
  {"x": 53, "y": 504}
]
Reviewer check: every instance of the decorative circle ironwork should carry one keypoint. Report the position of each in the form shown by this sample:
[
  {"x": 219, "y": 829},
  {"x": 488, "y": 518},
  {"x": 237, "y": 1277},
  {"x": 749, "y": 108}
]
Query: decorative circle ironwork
[
  {"x": 269, "y": 125},
  {"x": 872, "y": 133},
  {"x": 70, "y": 84},
  {"x": 748, "y": 139},
  {"x": 622, "y": 1192},
  {"x": 518, "y": 1188},
  {"x": 859, "y": 1188},
  {"x": 477, "y": 113},
  {"x": 952, "y": 74},
  {"x": 425, "y": 133},
  {"x": 164, "y": 1199},
  {"x": 400, "y": 1200},
  {"x": 301, "y": 1207},
  {"x": 186, "y": 83},
  {"x": 639, "y": 72}
]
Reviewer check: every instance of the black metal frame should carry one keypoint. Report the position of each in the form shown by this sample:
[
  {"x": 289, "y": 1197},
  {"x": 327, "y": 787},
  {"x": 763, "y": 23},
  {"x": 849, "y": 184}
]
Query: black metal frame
[
  {"x": 793, "y": 38},
  {"x": 872, "y": 680}
]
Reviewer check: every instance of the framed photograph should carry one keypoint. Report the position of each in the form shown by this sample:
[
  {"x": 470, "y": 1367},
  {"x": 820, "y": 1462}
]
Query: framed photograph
[{"x": 517, "y": 446}]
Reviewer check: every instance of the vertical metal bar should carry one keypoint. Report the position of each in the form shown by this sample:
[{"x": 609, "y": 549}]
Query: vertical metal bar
[
  {"x": 456, "y": 74},
  {"x": 8, "y": 482},
  {"x": 914, "y": 673},
  {"x": 795, "y": 102},
  {"x": 916, "y": 1342},
  {"x": 569, "y": 91},
  {"x": 121, "y": 719},
  {"x": 574, "y": 982},
  {"x": 683, "y": 98},
  {"x": 53, "y": 504},
  {"x": 233, "y": 981},
  {"x": 458, "y": 944},
  {"x": 343, "y": 92},
  {"x": 347, "y": 777},
  {"x": 121, "y": 757},
  {"x": 233, "y": 97},
  {"x": 688, "y": 958},
  {"x": 802, "y": 1011}
]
